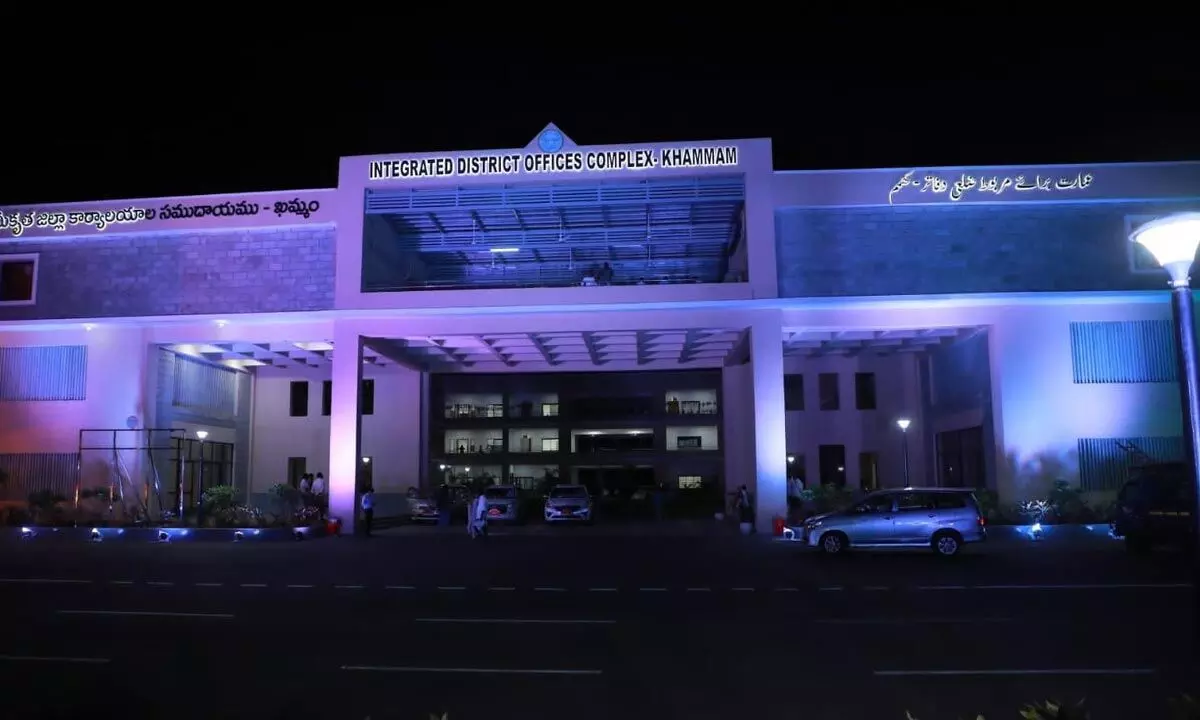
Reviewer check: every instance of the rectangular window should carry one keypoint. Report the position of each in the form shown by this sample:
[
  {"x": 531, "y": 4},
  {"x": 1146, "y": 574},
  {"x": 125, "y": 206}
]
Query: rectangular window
[
  {"x": 827, "y": 390},
  {"x": 793, "y": 392},
  {"x": 691, "y": 482},
  {"x": 327, "y": 398},
  {"x": 868, "y": 471},
  {"x": 298, "y": 402},
  {"x": 18, "y": 279},
  {"x": 367, "y": 402},
  {"x": 549, "y": 444},
  {"x": 864, "y": 391},
  {"x": 832, "y": 461}
]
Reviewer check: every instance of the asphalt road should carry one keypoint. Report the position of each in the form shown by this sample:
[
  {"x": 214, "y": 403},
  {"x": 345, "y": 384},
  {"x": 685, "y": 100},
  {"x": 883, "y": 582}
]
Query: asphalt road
[{"x": 584, "y": 627}]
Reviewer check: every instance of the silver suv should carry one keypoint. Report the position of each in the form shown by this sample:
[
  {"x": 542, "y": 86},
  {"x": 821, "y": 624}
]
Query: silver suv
[{"x": 941, "y": 519}]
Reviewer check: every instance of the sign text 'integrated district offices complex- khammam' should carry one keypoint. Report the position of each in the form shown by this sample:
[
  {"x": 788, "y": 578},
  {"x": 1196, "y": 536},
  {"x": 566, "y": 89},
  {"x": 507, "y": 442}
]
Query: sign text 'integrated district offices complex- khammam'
[{"x": 681, "y": 313}]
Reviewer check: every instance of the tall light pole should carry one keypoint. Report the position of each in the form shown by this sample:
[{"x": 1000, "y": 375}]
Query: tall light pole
[
  {"x": 903, "y": 424},
  {"x": 202, "y": 435},
  {"x": 1173, "y": 241}
]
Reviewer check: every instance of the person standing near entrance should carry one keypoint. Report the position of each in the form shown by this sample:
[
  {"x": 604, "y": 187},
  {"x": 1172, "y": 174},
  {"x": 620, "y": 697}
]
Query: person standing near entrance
[{"x": 368, "y": 509}]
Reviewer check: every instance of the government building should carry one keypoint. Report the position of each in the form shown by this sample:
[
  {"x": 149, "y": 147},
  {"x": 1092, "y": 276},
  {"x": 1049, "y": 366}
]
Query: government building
[{"x": 680, "y": 314}]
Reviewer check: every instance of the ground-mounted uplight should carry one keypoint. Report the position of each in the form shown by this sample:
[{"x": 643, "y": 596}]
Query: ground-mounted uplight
[
  {"x": 238, "y": 535},
  {"x": 96, "y": 535},
  {"x": 164, "y": 536},
  {"x": 27, "y": 533}
]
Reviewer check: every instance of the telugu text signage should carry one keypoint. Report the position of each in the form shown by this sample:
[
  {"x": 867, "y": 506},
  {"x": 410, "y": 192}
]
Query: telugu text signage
[
  {"x": 16, "y": 223},
  {"x": 554, "y": 163},
  {"x": 933, "y": 188}
]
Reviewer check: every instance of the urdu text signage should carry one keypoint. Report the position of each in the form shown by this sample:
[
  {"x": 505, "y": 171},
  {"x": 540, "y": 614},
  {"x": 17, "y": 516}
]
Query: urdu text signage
[
  {"x": 934, "y": 188},
  {"x": 553, "y": 160},
  {"x": 17, "y": 222}
]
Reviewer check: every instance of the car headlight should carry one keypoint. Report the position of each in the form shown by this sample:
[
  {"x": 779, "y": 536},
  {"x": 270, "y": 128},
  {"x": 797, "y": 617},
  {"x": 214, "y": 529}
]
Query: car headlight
[{"x": 812, "y": 524}]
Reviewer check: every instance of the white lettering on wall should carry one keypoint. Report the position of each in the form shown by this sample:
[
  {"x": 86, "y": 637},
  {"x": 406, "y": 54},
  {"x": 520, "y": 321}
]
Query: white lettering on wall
[
  {"x": 541, "y": 163},
  {"x": 17, "y": 222},
  {"x": 933, "y": 186}
]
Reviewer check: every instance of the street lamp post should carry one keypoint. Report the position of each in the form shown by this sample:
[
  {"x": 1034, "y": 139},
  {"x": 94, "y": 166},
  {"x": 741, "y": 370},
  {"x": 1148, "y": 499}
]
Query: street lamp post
[
  {"x": 903, "y": 424},
  {"x": 1173, "y": 241},
  {"x": 202, "y": 435}
]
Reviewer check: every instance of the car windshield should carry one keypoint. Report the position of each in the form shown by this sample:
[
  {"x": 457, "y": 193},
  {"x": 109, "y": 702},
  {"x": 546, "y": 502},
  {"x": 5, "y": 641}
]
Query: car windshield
[
  {"x": 500, "y": 493},
  {"x": 568, "y": 492}
]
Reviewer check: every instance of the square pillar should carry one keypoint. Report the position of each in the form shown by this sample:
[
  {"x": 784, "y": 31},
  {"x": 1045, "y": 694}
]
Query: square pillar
[
  {"x": 770, "y": 420},
  {"x": 345, "y": 425}
]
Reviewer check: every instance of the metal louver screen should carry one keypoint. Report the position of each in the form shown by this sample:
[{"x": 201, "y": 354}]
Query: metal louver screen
[
  {"x": 27, "y": 473},
  {"x": 205, "y": 389},
  {"x": 1104, "y": 462},
  {"x": 1134, "y": 351},
  {"x": 43, "y": 373}
]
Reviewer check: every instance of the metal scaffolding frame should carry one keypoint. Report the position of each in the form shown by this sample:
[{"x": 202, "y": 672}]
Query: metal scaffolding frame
[{"x": 119, "y": 443}]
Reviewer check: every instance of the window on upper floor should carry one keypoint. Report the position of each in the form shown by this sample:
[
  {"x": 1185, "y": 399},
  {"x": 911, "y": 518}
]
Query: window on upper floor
[
  {"x": 793, "y": 392},
  {"x": 18, "y": 279},
  {"x": 827, "y": 390},
  {"x": 326, "y": 398},
  {"x": 864, "y": 391},
  {"x": 298, "y": 399},
  {"x": 367, "y": 401}
]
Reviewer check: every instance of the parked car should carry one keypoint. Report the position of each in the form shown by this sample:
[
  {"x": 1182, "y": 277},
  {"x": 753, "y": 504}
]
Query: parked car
[
  {"x": 1155, "y": 507},
  {"x": 568, "y": 503},
  {"x": 424, "y": 507},
  {"x": 941, "y": 519},
  {"x": 503, "y": 503}
]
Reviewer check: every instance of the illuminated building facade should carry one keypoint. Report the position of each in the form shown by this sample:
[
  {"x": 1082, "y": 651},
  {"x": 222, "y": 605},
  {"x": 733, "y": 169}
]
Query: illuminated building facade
[{"x": 759, "y": 324}]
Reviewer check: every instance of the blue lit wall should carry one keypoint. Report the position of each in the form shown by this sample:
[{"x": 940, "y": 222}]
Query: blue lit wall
[
  {"x": 230, "y": 272},
  {"x": 918, "y": 250}
]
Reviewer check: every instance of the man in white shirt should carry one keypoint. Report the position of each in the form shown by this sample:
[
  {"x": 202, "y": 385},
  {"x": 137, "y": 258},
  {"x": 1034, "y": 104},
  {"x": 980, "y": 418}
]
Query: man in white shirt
[
  {"x": 318, "y": 485},
  {"x": 481, "y": 509}
]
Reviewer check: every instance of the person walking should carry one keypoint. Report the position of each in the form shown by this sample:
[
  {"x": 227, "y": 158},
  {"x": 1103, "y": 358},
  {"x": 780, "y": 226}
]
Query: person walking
[{"x": 368, "y": 509}]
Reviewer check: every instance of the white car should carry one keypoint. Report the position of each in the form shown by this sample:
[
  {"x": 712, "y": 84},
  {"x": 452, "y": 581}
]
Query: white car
[{"x": 568, "y": 503}]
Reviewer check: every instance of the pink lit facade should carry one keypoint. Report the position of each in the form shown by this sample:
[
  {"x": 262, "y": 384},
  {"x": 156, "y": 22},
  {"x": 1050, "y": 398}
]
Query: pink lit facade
[{"x": 1001, "y": 310}]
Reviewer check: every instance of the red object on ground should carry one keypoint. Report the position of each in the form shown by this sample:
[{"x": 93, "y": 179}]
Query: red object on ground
[
  {"x": 333, "y": 526},
  {"x": 777, "y": 525}
]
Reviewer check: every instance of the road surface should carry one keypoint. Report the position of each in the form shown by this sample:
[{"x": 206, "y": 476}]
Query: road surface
[{"x": 584, "y": 627}]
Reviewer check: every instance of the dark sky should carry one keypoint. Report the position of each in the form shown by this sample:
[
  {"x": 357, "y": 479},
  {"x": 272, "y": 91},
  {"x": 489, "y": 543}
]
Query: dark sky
[{"x": 246, "y": 116}]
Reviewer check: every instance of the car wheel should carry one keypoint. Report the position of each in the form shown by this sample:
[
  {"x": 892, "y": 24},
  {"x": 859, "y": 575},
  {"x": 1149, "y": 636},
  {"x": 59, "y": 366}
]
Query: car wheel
[
  {"x": 947, "y": 544},
  {"x": 833, "y": 543}
]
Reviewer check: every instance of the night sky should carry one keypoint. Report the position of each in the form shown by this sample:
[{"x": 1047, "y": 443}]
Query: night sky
[{"x": 277, "y": 115}]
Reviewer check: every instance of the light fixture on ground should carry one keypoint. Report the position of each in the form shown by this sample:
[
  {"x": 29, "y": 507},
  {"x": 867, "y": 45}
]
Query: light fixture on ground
[
  {"x": 903, "y": 424},
  {"x": 1173, "y": 241}
]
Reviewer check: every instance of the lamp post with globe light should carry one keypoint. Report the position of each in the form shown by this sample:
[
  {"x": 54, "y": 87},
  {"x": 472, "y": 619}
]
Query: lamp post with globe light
[
  {"x": 1173, "y": 241},
  {"x": 903, "y": 424}
]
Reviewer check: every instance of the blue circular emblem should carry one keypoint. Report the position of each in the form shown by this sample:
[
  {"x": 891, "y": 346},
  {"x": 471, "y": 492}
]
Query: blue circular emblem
[{"x": 550, "y": 141}]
